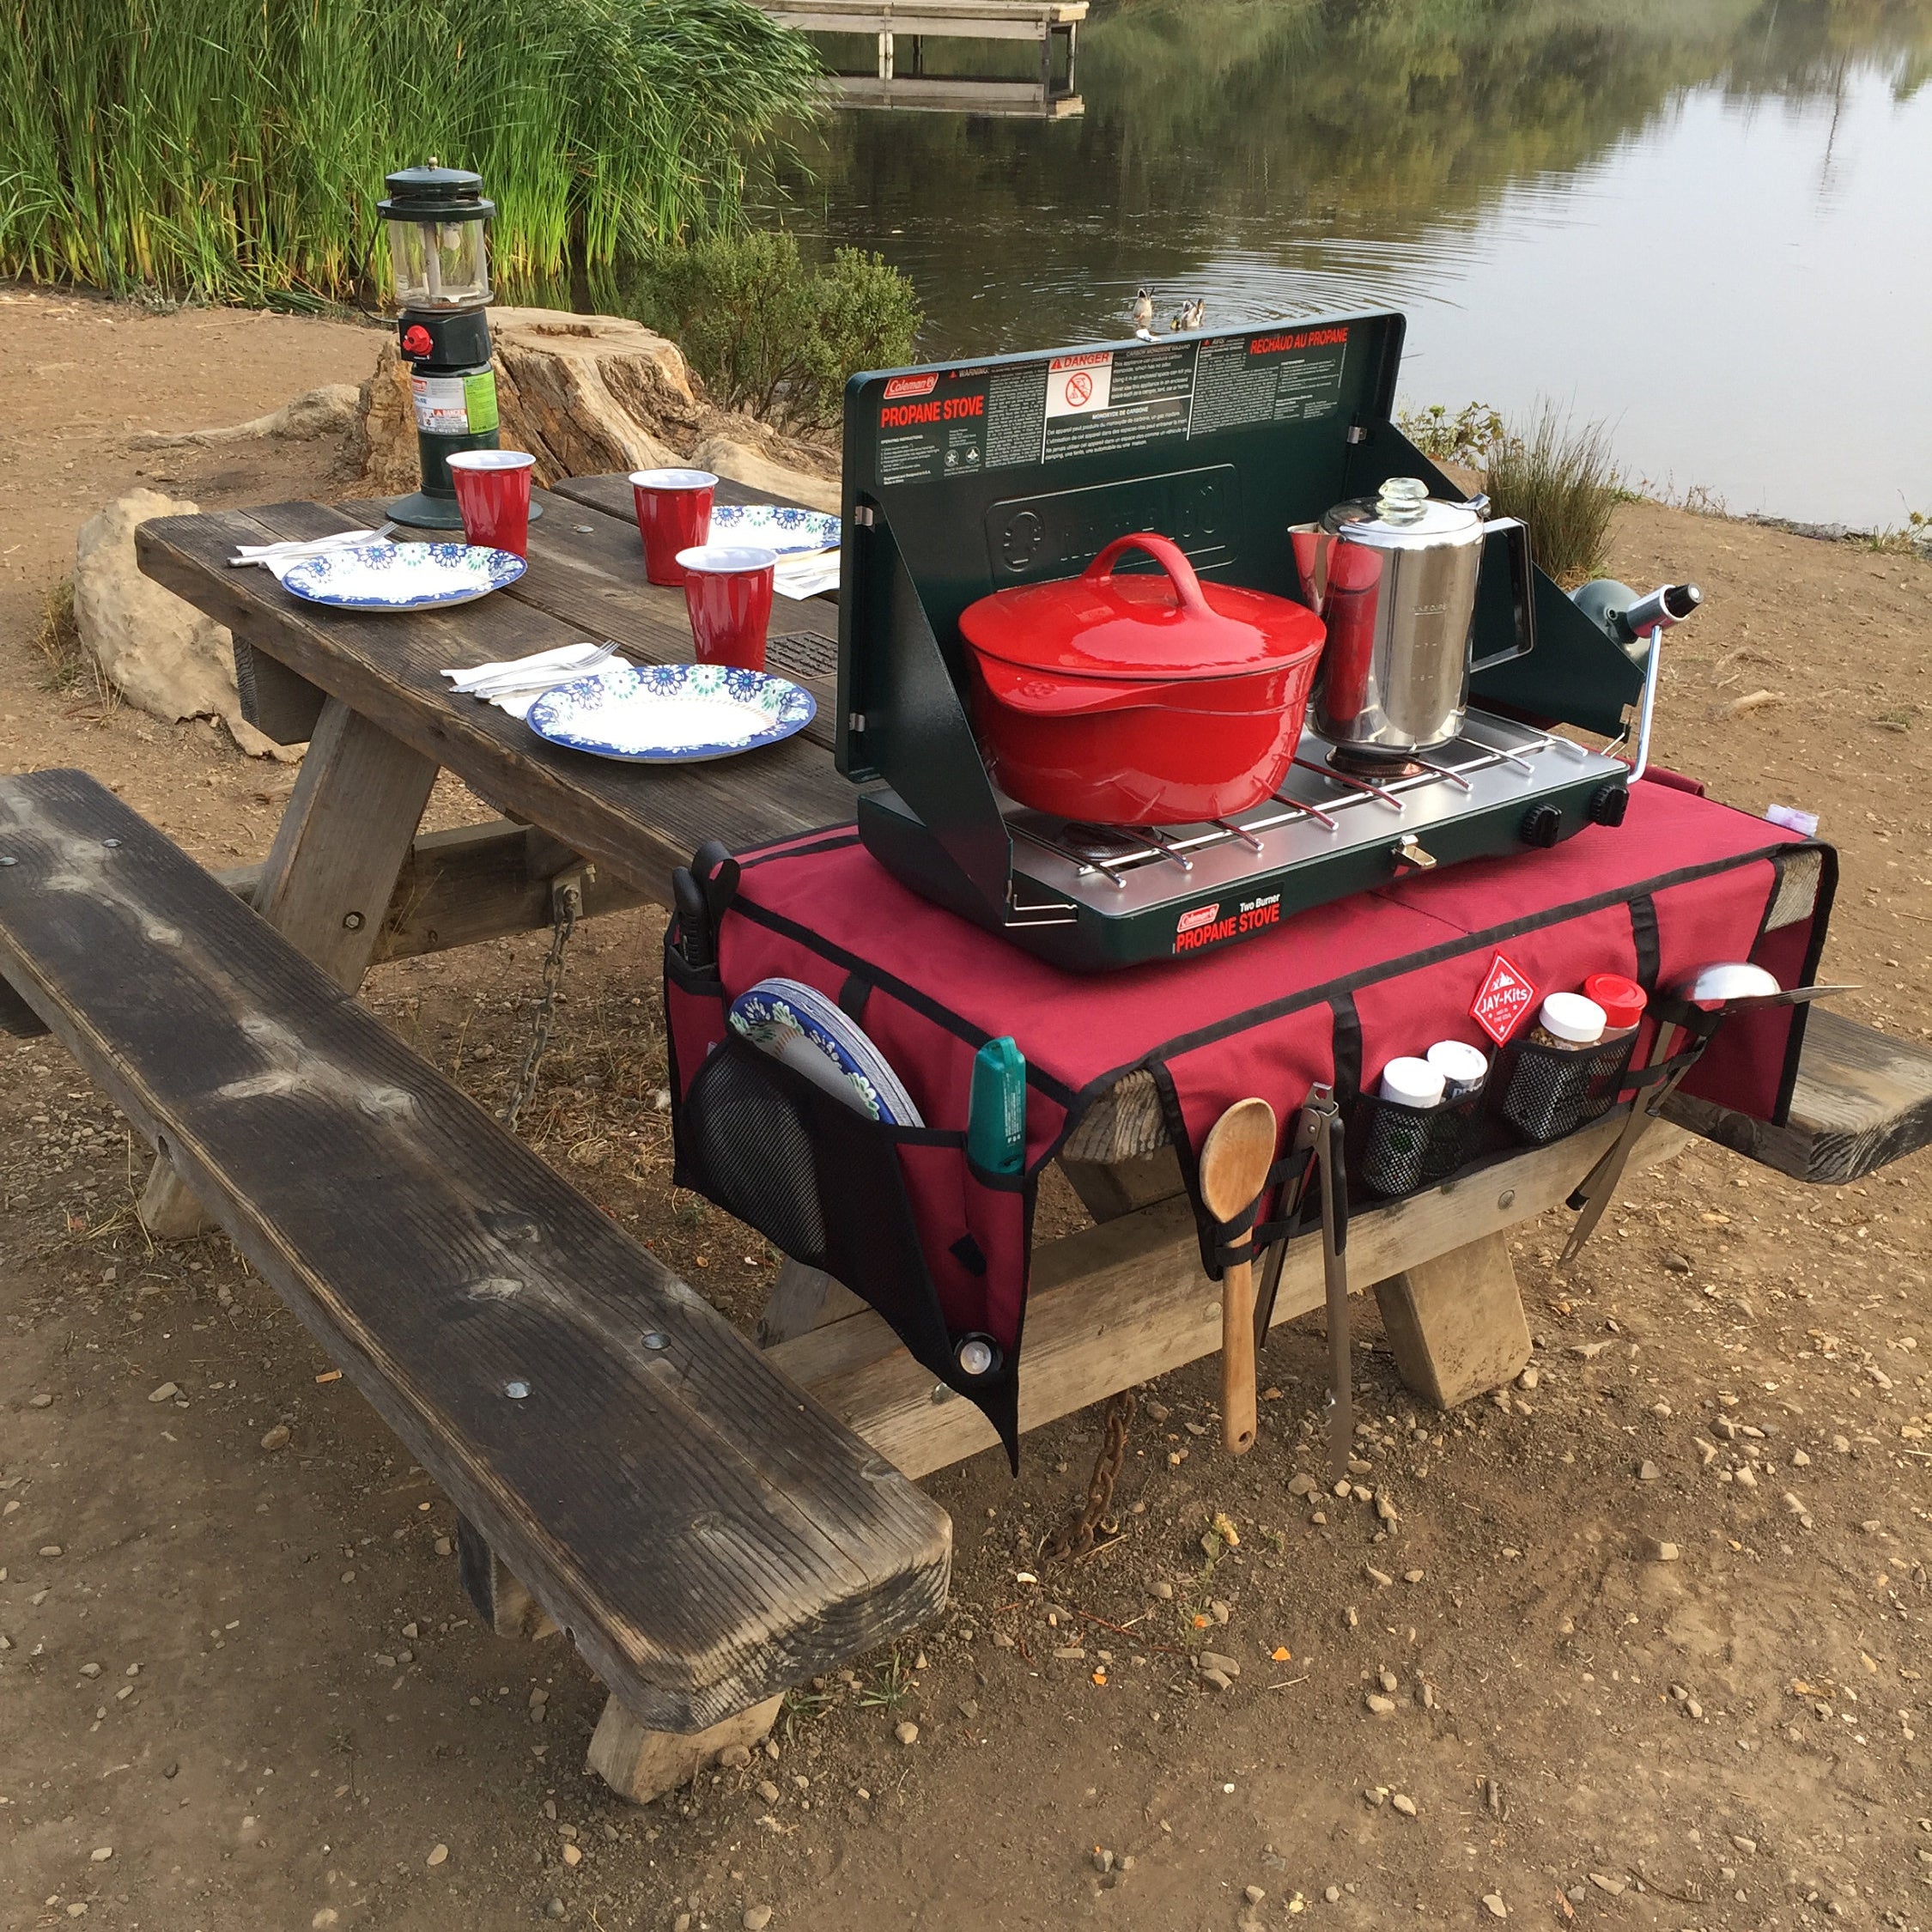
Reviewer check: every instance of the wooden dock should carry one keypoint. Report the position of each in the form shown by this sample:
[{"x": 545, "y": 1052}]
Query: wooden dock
[{"x": 902, "y": 27}]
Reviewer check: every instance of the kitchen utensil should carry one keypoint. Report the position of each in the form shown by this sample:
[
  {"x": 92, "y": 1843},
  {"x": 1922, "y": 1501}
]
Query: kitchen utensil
[
  {"x": 1394, "y": 578},
  {"x": 783, "y": 527},
  {"x": 1233, "y": 1168},
  {"x": 1695, "y": 1005},
  {"x": 1331, "y": 1173},
  {"x": 401, "y": 576},
  {"x": 727, "y": 595},
  {"x": 798, "y": 1024},
  {"x": 296, "y": 548},
  {"x": 671, "y": 713},
  {"x": 1294, "y": 1191},
  {"x": 518, "y": 679},
  {"x": 1145, "y": 699},
  {"x": 492, "y": 489},
  {"x": 673, "y": 510}
]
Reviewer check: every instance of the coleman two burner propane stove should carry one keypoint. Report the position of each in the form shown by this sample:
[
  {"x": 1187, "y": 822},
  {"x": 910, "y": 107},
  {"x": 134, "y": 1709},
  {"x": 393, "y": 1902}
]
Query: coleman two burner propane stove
[{"x": 1242, "y": 449}]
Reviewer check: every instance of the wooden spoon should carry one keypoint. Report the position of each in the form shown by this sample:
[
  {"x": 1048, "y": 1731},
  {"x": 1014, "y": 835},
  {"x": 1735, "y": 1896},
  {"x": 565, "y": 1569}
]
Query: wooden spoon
[{"x": 1233, "y": 1170}]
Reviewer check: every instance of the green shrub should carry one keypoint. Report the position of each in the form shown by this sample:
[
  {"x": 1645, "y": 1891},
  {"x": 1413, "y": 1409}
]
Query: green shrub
[
  {"x": 235, "y": 149},
  {"x": 1466, "y": 438},
  {"x": 1562, "y": 480},
  {"x": 772, "y": 336}
]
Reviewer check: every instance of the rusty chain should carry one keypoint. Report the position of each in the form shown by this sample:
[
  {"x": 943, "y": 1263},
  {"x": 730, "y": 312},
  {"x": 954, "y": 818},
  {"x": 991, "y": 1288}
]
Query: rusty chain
[
  {"x": 1077, "y": 1535},
  {"x": 567, "y": 902}
]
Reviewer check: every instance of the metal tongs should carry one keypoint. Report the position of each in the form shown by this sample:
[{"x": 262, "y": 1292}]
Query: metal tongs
[
  {"x": 1692, "y": 1011},
  {"x": 1318, "y": 1139}
]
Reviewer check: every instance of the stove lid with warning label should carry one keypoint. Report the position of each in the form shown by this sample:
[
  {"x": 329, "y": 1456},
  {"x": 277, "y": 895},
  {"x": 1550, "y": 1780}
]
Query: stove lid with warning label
[{"x": 1021, "y": 469}]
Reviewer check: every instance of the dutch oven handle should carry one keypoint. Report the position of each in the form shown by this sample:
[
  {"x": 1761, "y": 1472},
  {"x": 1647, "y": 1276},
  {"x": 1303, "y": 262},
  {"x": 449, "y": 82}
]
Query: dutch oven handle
[{"x": 1165, "y": 552}]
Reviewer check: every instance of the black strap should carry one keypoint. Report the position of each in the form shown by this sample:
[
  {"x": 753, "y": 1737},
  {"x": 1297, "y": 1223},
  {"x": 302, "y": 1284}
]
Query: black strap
[
  {"x": 1643, "y": 937},
  {"x": 853, "y": 994},
  {"x": 1347, "y": 1047},
  {"x": 1231, "y": 1241}
]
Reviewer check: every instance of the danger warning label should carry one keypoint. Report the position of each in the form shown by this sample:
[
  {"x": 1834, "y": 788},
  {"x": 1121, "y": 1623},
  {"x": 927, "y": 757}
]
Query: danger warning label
[{"x": 1117, "y": 399}]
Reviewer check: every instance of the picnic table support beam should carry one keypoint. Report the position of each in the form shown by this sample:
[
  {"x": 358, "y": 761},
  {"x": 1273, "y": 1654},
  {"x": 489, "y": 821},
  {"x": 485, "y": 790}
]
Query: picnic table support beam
[
  {"x": 499, "y": 1599},
  {"x": 1455, "y": 1324},
  {"x": 327, "y": 882},
  {"x": 641, "y": 1763}
]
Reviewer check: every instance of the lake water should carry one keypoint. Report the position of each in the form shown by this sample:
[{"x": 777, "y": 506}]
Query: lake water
[{"x": 1708, "y": 224}]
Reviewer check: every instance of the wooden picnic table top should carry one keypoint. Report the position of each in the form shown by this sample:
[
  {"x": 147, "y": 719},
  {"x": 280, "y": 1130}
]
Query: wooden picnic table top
[{"x": 586, "y": 578}]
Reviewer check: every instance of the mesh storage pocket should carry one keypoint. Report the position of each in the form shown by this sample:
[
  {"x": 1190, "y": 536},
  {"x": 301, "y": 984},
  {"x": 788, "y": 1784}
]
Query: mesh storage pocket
[
  {"x": 1549, "y": 1091},
  {"x": 822, "y": 1183},
  {"x": 1394, "y": 1149}
]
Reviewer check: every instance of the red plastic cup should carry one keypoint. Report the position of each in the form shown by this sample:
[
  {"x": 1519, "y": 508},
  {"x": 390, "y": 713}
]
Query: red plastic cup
[
  {"x": 673, "y": 514},
  {"x": 728, "y": 591},
  {"x": 493, "y": 495}
]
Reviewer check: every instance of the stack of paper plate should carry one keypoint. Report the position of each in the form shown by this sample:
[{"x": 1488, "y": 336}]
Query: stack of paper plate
[{"x": 799, "y": 1025}]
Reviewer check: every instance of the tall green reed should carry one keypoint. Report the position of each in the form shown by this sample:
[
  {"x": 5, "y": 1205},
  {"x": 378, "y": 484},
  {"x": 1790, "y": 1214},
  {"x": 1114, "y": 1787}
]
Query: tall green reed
[{"x": 235, "y": 149}]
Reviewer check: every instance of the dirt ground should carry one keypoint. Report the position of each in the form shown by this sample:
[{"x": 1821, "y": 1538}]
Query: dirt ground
[{"x": 239, "y": 1689}]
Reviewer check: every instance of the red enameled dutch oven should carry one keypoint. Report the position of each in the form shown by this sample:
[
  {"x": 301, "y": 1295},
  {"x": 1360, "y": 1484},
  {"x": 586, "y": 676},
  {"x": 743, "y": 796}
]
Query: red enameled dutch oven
[{"x": 1139, "y": 699}]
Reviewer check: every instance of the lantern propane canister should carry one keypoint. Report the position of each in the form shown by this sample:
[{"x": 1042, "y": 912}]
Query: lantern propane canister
[{"x": 440, "y": 260}]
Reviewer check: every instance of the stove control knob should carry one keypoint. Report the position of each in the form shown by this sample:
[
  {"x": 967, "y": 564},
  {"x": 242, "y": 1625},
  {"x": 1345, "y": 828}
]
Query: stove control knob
[
  {"x": 1608, "y": 803},
  {"x": 1542, "y": 825}
]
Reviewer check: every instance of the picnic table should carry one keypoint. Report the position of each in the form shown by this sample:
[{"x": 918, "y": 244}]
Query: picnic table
[{"x": 712, "y": 1519}]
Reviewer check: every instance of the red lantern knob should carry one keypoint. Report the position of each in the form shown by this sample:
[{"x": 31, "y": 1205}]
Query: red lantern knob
[{"x": 416, "y": 340}]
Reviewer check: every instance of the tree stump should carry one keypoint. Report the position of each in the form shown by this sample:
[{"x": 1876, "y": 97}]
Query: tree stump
[{"x": 588, "y": 395}]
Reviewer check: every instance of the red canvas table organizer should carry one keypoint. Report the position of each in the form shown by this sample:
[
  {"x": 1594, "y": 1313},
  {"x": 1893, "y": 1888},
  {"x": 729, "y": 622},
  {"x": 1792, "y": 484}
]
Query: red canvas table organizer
[{"x": 904, "y": 1217}]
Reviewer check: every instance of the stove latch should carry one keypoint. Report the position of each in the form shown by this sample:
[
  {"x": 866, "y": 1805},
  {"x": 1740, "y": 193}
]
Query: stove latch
[{"x": 1410, "y": 856}]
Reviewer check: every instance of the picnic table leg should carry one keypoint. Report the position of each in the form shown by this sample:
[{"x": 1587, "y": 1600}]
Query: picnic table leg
[
  {"x": 327, "y": 881},
  {"x": 1455, "y": 1324},
  {"x": 640, "y": 1764},
  {"x": 802, "y": 1299},
  {"x": 500, "y": 1600}
]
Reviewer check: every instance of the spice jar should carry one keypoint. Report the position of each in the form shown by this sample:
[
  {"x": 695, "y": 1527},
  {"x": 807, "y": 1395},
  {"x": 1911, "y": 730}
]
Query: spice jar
[
  {"x": 1550, "y": 1089},
  {"x": 1463, "y": 1068},
  {"x": 1400, "y": 1125},
  {"x": 1623, "y": 1001}
]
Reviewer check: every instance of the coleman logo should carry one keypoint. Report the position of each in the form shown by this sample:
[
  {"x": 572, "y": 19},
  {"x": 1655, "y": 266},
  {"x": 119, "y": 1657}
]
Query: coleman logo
[
  {"x": 910, "y": 385},
  {"x": 1202, "y": 915},
  {"x": 1206, "y": 927}
]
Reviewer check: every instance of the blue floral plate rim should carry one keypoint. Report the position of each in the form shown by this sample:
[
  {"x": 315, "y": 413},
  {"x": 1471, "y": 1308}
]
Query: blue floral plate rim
[
  {"x": 784, "y": 527},
  {"x": 474, "y": 572},
  {"x": 567, "y": 716}
]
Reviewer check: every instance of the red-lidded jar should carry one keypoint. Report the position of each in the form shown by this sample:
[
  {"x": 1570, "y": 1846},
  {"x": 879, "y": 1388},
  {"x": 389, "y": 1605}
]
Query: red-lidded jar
[{"x": 1623, "y": 1001}]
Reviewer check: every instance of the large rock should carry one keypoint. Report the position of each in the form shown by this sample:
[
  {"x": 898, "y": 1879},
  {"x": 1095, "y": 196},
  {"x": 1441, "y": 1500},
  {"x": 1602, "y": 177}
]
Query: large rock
[
  {"x": 161, "y": 654},
  {"x": 727, "y": 454}
]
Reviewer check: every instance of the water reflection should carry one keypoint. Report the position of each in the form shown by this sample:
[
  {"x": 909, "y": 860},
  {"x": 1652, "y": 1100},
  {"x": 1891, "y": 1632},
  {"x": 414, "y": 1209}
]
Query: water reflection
[{"x": 1689, "y": 215}]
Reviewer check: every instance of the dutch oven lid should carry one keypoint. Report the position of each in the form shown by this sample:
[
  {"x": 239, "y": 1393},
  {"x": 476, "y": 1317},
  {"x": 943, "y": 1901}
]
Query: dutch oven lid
[{"x": 1169, "y": 626}]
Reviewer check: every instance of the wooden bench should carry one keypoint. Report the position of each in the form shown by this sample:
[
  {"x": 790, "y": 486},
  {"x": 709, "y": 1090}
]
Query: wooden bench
[{"x": 703, "y": 1530}]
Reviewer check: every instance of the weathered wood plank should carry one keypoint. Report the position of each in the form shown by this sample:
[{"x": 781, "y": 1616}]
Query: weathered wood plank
[
  {"x": 506, "y": 1608},
  {"x": 641, "y": 1763},
  {"x": 705, "y": 1531},
  {"x": 638, "y": 821},
  {"x": 1113, "y": 1305},
  {"x": 469, "y": 884},
  {"x": 1863, "y": 1098}
]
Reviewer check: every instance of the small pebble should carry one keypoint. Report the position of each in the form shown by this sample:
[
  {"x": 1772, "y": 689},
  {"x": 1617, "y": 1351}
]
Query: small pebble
[
  {"x": 555, "y": 1908},
  {"x": 735, "y": 1757},
  {"x": 768, "y": 1790},
  {"x": 437, "y": 1854},
  {"x": 90, "y": 1670},
  {"x": 442, "y": 1547},
  {"x": 1102, "y": 1859},
  {"x": 166, "y": 1392},
  {"x": 40, "y": 1401},
  {"x": 1647, "y": 1472},
  {"x": 1655, "y": 1550},
  {"x": 907, "y": 1733},
  {"x": 50, "y": 1549},
  {"x": 1404, "y": 1803},
  {"x": 1380, "y": 1706},
  {"x": 277, "y": 1437},
  {"x": 1493, "y": 1901},
  {"x": 324, "y": 1919},
  {"x": 757, "y": 1918},
  {"x": 1253, "y": 1893},
  {"x": 1165, "y": 1592},
  {"x": 101, "y": 1854},
  {"x": 573, "y": 1854},
  {"x": 1332, "y": 1894}
]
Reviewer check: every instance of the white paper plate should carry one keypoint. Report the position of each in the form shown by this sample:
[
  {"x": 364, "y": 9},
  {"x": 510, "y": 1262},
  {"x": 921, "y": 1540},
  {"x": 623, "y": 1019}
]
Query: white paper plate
[
  {"x": 671, "y": 713},
  {"x": 401, "y": 576},
  {"x": 798, "y": 1024}
]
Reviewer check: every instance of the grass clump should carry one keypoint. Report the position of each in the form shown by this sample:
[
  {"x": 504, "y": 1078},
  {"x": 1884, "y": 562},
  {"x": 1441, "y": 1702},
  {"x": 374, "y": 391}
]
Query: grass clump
[
  {"x": 1561, "y": 478},
  {"x": 234, "y": 149},
  {"x": 773, "y": 336},
  {"x": 1467, "y": 437}
]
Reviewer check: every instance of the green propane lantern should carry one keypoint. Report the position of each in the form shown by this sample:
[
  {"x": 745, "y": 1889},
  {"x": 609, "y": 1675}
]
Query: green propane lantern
[{"x": 440, "y": 260}]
